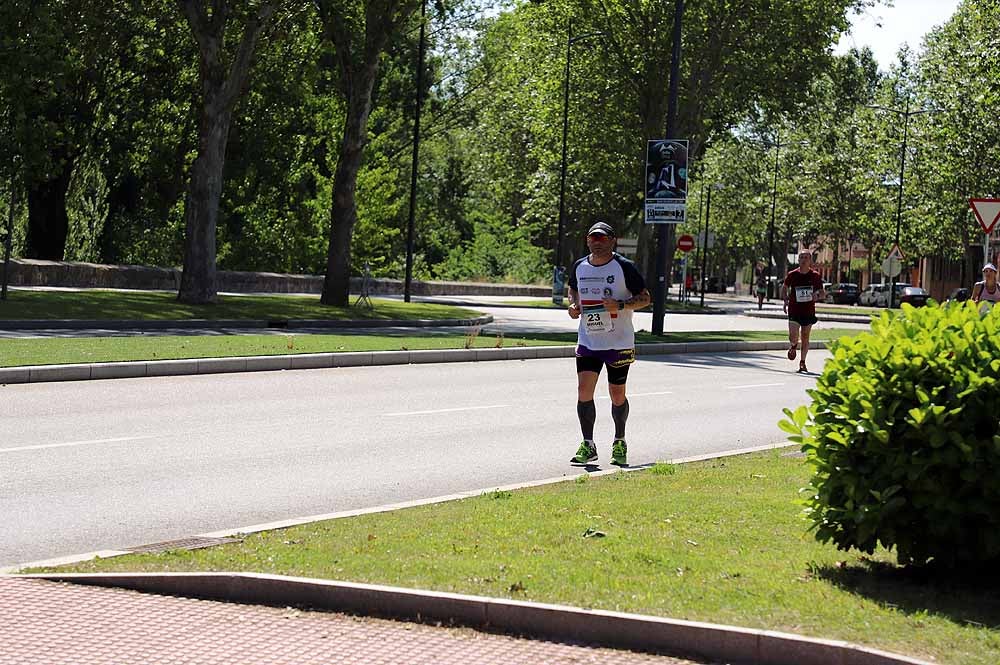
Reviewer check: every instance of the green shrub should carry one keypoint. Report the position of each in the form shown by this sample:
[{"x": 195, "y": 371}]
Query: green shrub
[{"x": 902, "y": 432}]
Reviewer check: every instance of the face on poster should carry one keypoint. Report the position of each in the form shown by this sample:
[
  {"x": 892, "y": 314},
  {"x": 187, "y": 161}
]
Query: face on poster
[{"x": 666, "y": 181}]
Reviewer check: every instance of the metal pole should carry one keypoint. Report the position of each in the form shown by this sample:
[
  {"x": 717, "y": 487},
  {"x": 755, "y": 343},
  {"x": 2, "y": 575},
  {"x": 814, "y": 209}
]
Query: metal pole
[
  {"x": 704, "y": 248},
  {"x": 899, "y": 197},
  {"x": 562, "y": 169},
  {"x": 770, "y": 225},
  {"x": 659, "y": 290},
  {"x": 416, "y": 154}
]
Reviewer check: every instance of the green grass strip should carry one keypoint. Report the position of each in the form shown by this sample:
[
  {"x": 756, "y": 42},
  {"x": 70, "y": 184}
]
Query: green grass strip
[
  {"x": 19, "y": 352},
  {"x": 157, "y": 305},
  {"x": 721, "y": 541}
]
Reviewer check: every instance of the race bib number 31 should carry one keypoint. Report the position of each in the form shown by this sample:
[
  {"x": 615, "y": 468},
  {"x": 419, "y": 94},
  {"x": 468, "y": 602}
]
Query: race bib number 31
[{"x": 803, "y": 294}]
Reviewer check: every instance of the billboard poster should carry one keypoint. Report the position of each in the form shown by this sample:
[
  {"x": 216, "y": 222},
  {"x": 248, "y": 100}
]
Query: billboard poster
[{"x": 666, "y": 181}]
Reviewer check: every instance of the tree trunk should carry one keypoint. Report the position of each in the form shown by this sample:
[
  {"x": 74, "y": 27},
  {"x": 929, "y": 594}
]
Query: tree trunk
[
  {"x": 343, "y": 208},
  {"x": 201, "y": 206},
  {"x": 221, "y": 87},
  {"x": 48, "y": 223}
]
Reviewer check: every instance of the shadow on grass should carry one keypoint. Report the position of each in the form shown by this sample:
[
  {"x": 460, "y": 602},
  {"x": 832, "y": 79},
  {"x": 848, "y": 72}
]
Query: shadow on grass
[{"x": 967, "y": 597}]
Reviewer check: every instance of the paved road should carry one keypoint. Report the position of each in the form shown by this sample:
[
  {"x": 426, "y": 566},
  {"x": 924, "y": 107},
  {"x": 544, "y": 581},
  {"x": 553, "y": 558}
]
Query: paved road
[{"x": 112, "y": 464}]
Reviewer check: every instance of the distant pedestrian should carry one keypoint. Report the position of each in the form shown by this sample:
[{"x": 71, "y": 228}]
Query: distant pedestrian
[
  {"x": 604, "y": 289},
  {"x": 761, "y": 288},
  {"x": 987, "y": 290},
  {"x": 800, "y": 291}
]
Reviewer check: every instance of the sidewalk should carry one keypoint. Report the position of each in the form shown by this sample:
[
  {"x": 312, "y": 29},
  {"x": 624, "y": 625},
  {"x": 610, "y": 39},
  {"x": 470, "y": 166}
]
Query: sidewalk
[
  {"x": 268, "y": 619},
  {"x": 52, "y": 623}
]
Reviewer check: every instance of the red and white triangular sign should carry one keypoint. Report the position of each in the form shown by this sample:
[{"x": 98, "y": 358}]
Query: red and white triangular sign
[
  {"x": 987, "y": 212},
  {"x": 896, "y": 253}
]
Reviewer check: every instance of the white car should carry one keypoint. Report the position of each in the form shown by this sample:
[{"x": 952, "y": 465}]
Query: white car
[
  {"x": 882, "y": 296},
  {"x": 869, "y": 297}
]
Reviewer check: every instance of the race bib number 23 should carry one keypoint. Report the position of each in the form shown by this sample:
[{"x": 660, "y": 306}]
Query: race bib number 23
[{"x": 598, "y": 321}]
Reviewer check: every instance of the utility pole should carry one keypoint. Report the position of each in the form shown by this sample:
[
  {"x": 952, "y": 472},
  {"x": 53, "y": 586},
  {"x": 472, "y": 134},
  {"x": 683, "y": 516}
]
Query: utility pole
[
  {"x": 411, "y": 220},
  {"x": 663, "y": 233}
]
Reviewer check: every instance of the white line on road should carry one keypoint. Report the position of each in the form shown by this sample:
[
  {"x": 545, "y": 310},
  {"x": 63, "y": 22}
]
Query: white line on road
[
  {"x": 756, "y": 385},
  {"x": 74, "y": 443},
  {"x": 464, "y": 408},
  {"x": 665, "y": 392}
]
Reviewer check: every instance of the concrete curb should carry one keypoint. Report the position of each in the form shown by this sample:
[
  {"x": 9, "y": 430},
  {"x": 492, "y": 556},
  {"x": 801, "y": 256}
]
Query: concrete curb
[
  {"x": 122, "y": 370},
  {"x": 825, "y": 318},
  {"x": 674, "y": 637},
  {"x": 214, "y": 324}
]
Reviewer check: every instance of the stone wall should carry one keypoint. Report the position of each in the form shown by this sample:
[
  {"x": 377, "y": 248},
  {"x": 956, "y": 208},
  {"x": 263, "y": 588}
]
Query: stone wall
[{"x": 32, "y": 272}]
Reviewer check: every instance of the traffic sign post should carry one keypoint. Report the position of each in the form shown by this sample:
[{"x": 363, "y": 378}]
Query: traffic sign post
[
  {"x": 987, "y": 212},
  {"x": 891, "y": 267},
  {"x": 685, "y": 243}
]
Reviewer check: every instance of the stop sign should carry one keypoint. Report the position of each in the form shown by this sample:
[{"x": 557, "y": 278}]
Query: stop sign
[{"x": 685, "y": 243}]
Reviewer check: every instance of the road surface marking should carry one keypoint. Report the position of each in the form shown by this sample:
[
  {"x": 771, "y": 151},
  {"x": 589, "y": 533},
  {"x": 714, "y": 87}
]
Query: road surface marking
[
  {"x": 74, "y": 443},
  {"x": 463, "y": 408},
  {"x": 665, "y": 392},
  {"x": 756, "y": 385}
]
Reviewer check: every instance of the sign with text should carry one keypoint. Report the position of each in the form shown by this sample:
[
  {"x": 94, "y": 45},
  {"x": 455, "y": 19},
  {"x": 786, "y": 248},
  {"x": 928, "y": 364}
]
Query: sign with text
[{"x": 666, "y": 181}]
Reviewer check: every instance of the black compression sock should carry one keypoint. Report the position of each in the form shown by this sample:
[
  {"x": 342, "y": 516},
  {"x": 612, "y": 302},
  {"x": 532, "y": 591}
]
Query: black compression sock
[
  {"x": 588, "y": 414},
  {"x": 620, "y": 415}
]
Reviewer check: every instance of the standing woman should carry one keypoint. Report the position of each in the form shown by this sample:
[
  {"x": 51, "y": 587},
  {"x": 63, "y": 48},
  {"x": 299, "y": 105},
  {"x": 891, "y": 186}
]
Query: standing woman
[{"x": 987, "y": 290}]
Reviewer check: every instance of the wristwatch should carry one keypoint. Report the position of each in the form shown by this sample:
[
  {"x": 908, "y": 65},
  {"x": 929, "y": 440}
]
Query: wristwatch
[{"x": 621, "y": 305}]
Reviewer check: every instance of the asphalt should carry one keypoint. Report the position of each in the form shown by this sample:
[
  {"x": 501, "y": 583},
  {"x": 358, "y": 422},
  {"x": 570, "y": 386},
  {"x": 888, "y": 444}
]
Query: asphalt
[{"x": 249, "y": 619}]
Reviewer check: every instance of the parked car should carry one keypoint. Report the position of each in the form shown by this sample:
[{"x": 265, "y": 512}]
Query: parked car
[
  {"x": 914, "y": 295},
  {"x": 715, "y": 285},
  {"x": 869, "y": 296},
  {"x": 908, "y": 293},
  {"x": 961, "y": 294},
  {"x": 843, "y": 294}
]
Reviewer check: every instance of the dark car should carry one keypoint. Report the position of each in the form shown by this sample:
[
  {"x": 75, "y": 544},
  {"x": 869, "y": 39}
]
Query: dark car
[
  {"x": 961, "y": 294},
  {"x": 715, "y": 285},
  {"x": 843, "y": 294},
  {"x": 914, "y": 295}
]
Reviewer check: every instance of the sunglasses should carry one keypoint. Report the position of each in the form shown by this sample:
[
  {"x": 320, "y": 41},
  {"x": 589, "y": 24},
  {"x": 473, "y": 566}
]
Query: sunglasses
[{"x": 598, "y": 236}]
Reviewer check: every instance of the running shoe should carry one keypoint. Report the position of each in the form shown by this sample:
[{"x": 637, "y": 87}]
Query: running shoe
[
  {"x": 619, "y": 453},
  {"x": 802, "y": 367},
  {"x": 586, "y": 454},
  {"x": 791, "y": 351}
]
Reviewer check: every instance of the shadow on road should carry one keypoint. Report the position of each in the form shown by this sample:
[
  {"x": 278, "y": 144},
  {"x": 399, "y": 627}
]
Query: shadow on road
[{"x": 736, "y": 360}]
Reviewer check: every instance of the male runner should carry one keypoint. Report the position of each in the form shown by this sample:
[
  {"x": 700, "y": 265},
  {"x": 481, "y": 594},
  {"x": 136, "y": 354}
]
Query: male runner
[
  {"x": 800, "y": 291},
  {"x": 604, "y": 289}
]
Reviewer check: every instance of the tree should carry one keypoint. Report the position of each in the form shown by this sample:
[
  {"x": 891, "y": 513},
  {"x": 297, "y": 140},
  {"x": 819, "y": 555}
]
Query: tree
[
  {"x": 223, "y": 80},
  {"x": 357, "y": 31},
  {"x": 958, "y": 148},
  {"x": 57, "y": 55}
]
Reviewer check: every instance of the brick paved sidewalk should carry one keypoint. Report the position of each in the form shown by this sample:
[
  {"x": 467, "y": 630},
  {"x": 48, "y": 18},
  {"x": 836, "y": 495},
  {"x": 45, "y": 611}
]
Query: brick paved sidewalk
[{"x": 51, "y": 623}]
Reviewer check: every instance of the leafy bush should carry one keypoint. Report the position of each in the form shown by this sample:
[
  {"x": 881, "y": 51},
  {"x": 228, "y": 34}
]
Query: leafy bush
[
  {"x": 903, "y": 435},
  {"x": 498, "y": 252}
]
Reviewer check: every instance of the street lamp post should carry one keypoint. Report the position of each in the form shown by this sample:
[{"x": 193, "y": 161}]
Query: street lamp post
[
  {"x": 704, "y": 242},
  {"x": 9, "y": 236},
  {"x": 558, "y": 284},
  {"x": 906, "y": 113},
  {"x": 662, "y": 235},
  {"x": 411, "y": 220},
  {"x": 774, "y": 205}
]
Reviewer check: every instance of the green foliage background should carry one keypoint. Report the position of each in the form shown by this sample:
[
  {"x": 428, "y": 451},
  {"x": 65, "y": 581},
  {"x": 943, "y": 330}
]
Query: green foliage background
[{"x": 107, "y": 96}]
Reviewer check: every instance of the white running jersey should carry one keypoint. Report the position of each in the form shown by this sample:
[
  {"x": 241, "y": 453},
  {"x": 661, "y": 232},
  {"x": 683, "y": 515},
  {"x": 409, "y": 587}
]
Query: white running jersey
[{"x": 617, "y": 279}]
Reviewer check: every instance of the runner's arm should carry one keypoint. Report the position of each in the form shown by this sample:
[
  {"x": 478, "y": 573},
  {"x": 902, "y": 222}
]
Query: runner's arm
[{"x": 574, "y": 303}]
